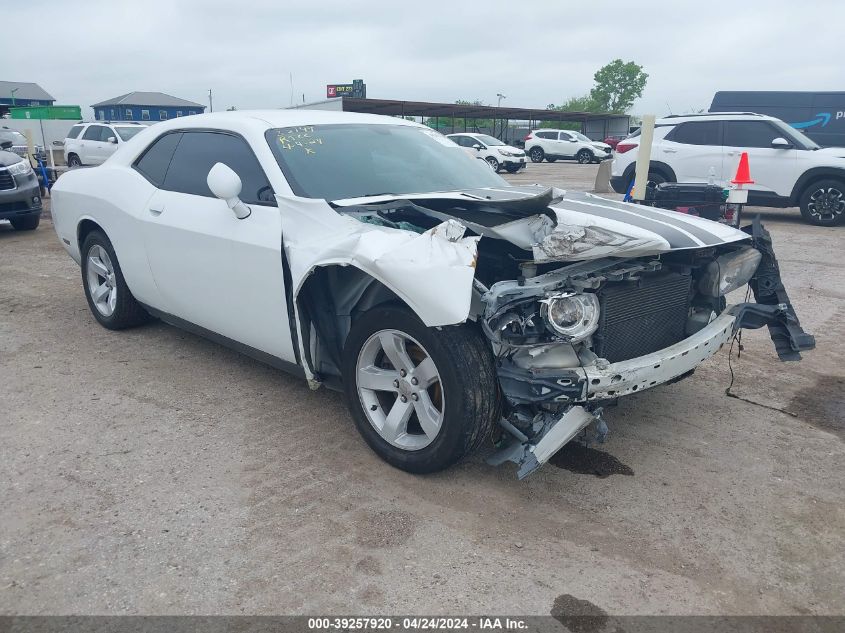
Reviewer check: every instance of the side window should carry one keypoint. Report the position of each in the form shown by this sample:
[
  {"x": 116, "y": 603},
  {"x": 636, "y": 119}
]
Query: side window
[
  {"x": 697, "y": 133},
  {"x": 128, "y": 114},
  {"x": 198, "y": 152},
  {"x": 74, "y": 131},
  {"x": 547, "y": 135},
  {"x": 154, "y": 162},
  {"x": 565, "y": 136},
  {"x": 92, "y": 133},
  {"x": 749, "y": 134},
  {"x": 162, "y": 115},
  {"x": 145, "y": 115},
  {"x": 107, "y": 133}
]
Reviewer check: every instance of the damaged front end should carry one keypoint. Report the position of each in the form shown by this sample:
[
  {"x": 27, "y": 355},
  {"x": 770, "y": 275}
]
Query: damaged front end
[{"x": 583, "y": 300}]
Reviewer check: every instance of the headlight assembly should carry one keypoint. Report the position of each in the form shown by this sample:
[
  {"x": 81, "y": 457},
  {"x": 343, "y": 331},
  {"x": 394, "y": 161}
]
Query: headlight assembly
[
  {"x": 729, "y": 272},
  {"x": 21, "y": 168},
  {"x": 573, "y": 316}
]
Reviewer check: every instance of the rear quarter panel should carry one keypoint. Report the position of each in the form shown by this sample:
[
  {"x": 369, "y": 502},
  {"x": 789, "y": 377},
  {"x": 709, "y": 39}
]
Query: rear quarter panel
[{"x": 114, "y": 197}]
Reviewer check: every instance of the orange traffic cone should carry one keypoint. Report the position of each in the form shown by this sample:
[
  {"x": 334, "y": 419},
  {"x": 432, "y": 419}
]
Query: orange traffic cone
[{"x": 743, "y": 175}]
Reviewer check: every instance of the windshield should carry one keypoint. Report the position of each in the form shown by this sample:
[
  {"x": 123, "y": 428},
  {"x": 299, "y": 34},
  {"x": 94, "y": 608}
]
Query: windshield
[
  {"x": 488, "y": 140},
  {"x": 12, "y": 135},
  {"x": 797, "y": 137},
  {"x": 128, "y": 132},
  {"x": 334, "y": 162}
]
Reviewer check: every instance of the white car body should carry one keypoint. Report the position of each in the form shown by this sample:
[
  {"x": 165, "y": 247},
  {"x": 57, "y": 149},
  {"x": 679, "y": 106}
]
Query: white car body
[
  {"x": 492, "y": 150},
  {"x": 242, "y": 273},
  {"x": 551, "y": 145},
  {"x": 704, "y": 147},
  {"x": 92, "y": 143}
]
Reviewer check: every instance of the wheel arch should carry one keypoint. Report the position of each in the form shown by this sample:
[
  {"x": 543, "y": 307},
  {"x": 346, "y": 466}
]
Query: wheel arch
[
  {"x": 328, "y": 303},
  {"x": 84, "y": 228},
  {"x": 814, "y": 175},
  {"x": 654, "y": 165}
]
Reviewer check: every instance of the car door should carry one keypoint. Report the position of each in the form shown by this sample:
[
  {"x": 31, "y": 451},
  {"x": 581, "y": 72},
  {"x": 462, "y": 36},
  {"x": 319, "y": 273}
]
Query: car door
[
  {"x": 91, "y": 151},
  {"x": 566, "y": 144},
  {"x": 693, "y": 150},
  {"x": 773, "y": 170},
  {"x": 212, "y": 269}
]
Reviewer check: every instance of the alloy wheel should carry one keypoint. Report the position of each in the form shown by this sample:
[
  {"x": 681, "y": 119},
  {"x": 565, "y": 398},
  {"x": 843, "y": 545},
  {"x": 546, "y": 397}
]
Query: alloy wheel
[
  {"x": 102, "y": 284},
  {"x": 826, "y": 204},
  {"x": 400, "y": 389},
  {"x": 494, "y": 164}
]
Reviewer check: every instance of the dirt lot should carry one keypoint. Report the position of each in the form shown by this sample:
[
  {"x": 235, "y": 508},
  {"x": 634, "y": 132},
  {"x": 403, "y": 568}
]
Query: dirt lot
[{"x": 151, "y": 471}]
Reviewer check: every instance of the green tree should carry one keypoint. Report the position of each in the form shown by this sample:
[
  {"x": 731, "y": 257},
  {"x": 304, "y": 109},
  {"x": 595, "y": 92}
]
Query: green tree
[
  {"x": 618, "y": 84},
  {"x": 584, "y": 103}
]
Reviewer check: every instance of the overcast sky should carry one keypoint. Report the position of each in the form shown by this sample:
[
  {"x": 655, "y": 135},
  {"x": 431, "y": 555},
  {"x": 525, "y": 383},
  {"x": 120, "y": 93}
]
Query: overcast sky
[{"x": 535, "y": 52}]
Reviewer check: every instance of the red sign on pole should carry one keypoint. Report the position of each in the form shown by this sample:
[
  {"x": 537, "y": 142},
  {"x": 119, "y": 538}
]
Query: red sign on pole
[{"x": 331, "y": 91}]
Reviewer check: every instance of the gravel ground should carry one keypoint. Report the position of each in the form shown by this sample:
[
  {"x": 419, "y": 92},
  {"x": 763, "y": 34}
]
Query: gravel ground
[{"x": 153, "y": 472}]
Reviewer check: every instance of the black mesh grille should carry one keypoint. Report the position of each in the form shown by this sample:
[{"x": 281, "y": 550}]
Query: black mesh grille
[
  {"x": 638, "y": 318},
  {"x": 6, "y": 180}
]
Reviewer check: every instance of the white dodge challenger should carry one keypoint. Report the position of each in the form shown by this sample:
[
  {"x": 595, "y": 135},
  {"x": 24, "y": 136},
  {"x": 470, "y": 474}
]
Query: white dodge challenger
[{"x": 372, "y": 255}]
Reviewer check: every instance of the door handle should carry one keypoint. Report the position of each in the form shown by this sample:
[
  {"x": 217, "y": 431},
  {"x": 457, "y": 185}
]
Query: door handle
[
  {"x": 666, "y": 150},
  {"x": 156, "y": 209}
]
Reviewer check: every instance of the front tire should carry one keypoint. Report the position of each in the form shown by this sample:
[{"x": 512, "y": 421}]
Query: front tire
[
  {"x": 422, "y": 398},
  {"x": 26, "y": 224},
  {"x": 537, "y": 154},
  {"x": 494, "y": 164},
  {"x": 109, "y": 298},
  {"x": 823, "y": 203},
  {"x": 584, "y": 156}
]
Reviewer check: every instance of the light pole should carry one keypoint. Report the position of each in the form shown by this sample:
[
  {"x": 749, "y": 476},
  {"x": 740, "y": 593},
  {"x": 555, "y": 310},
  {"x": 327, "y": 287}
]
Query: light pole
[
  {"x": 501, "y": 96},
  {"x": 13, "y": 95}
]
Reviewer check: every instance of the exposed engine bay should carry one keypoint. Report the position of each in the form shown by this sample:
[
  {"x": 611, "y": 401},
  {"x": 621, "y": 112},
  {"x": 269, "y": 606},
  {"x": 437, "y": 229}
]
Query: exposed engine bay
[{"x": 583, "y": 300}]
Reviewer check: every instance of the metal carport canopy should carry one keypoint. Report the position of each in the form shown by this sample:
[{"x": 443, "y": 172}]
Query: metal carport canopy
[{"x": 427, "y": 109}]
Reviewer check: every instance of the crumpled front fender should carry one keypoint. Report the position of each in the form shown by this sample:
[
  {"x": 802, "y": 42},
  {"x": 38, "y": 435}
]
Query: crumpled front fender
[{"x": 432, "y": 272}]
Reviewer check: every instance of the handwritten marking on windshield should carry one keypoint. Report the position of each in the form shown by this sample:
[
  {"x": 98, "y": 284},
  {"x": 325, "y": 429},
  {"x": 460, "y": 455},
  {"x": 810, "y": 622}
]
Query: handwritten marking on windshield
[{"x": 295, "y": 138}]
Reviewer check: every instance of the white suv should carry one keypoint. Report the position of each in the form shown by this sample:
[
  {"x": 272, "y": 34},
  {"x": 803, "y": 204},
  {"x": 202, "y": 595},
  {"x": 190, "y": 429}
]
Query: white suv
[
  {"x": 495, "y": 152},
  {"x": 553, "y": 144},
  {"x": 93, "y": 143},
  {"x": 788, "y": 168}
]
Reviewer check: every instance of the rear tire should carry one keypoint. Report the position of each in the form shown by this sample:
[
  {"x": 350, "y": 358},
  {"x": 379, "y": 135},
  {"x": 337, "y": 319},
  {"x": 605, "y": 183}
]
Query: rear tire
[
  {"x": 109, "y": 298},
  {"x": 457, "y": 409},
  {"x": 73, "y": 161},
  {"x": 537, "y": 154},
  {"x": 26, "y": 224},
  {"x": 823, "y": 203}
]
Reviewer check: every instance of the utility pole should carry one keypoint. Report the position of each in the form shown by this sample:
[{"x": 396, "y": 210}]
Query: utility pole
[
  {"x": 13, "y": 96},
  {"x": 501, "y": 96},
  {"x": 210, "y": 106}
]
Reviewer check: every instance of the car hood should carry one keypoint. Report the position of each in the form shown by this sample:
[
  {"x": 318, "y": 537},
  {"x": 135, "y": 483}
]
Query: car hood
[
  {"x": 836, "y": 152},
  {"x": 556, "y": 225},
  {"x": 8, "y": 158}
]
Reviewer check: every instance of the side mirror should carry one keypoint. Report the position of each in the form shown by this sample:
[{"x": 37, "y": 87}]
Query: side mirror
[
  {"x": 226, "y": 185},
  {"x": 478, "y": 146},
  {"x": 113, "y": 140},
  {"x": 6, "y": 145},
  {"x": 781, "y": 143}
]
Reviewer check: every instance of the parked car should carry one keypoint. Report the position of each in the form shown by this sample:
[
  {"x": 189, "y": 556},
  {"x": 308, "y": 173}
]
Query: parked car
[
  {"x": 92, "y": 143},
  {"x": 19, "y": 144},
  {"x": 371, "y": 254},
  {"x": 613, "y": 140},
  {"x": 20, "y": 194},
  {"x": 788, "y": 168},
  {"x": 495, "y": 152},
  {"x": 552, "y": 145}
]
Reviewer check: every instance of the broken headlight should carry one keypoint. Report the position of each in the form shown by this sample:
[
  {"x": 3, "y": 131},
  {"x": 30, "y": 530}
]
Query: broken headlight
[
  {"x": 729, "y": 272},
  {"x": 574, "y": 316}
]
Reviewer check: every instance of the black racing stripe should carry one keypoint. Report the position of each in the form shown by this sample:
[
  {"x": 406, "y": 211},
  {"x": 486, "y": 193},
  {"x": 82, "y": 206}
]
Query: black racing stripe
[
  {"x": 680, "y": 222},
  {"x": 676, "y": 238}
]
